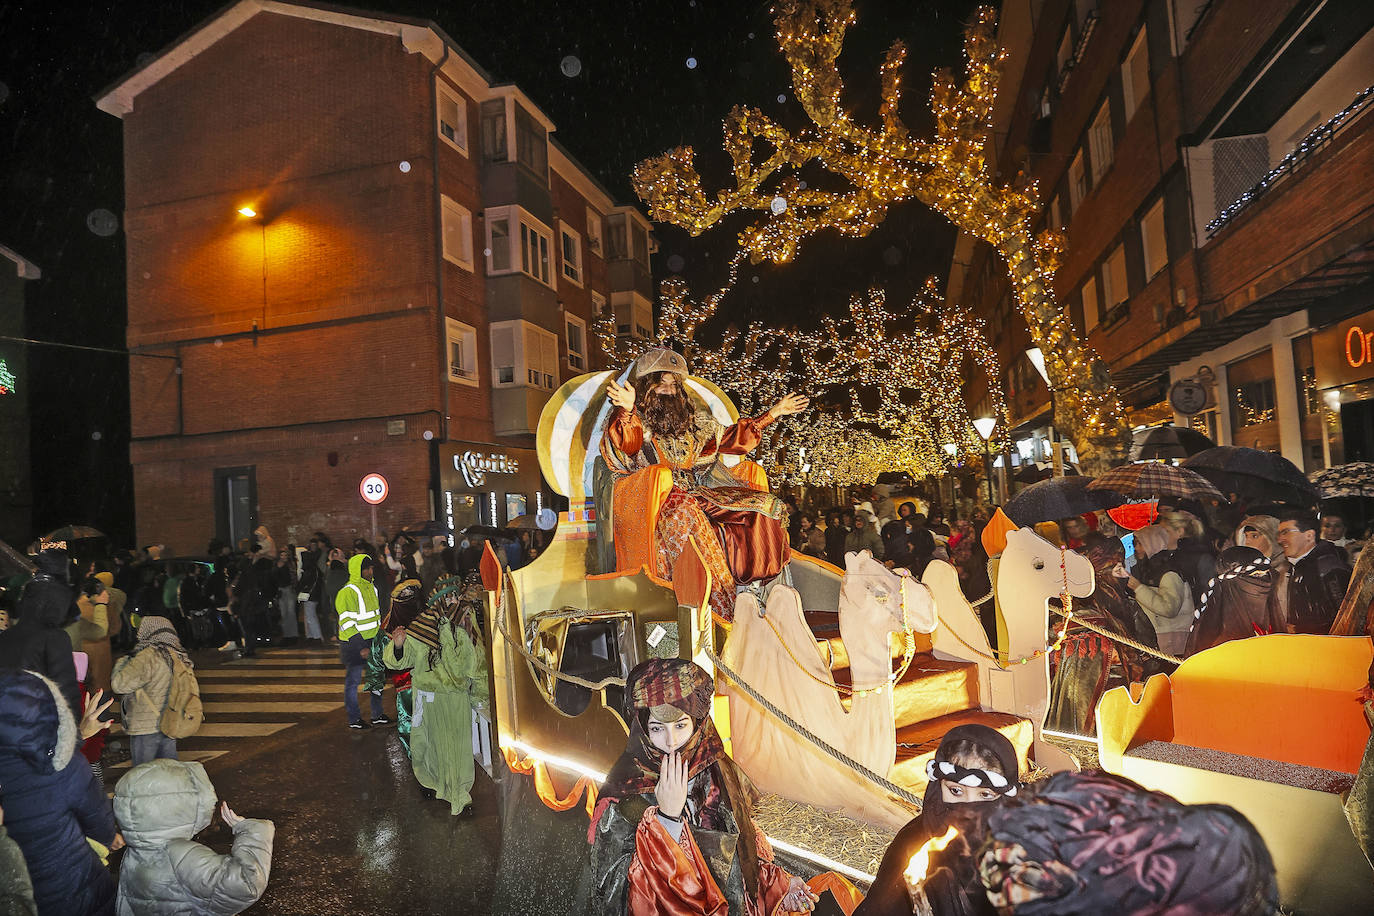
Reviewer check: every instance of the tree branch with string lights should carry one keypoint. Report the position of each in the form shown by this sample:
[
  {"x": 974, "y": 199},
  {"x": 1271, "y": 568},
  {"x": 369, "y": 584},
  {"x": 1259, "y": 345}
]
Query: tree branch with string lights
[{"x": 884, "y": 165}]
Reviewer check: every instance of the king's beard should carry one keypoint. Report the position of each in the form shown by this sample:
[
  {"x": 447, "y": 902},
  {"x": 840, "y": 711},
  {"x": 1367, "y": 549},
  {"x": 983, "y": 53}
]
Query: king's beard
[{"x": 667, "y": 416}]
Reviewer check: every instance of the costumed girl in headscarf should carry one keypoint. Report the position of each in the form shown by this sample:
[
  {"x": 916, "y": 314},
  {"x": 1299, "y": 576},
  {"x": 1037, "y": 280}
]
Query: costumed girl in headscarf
[
  {"x": 974, "y": 768},
  {"x": 1239, "y": 602},
  {"x": 1084, "y": 844},
  {"x": 1087, "y": 662},
  {"x": 673, "y": 832},
  {"x": 1262, "y": 533},
  {"x": 406, "y": 604},
  {"x": 448, "y": 674}
]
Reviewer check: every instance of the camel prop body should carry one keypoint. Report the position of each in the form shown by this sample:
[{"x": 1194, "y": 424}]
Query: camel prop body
[{"x": 776, "y": 652}]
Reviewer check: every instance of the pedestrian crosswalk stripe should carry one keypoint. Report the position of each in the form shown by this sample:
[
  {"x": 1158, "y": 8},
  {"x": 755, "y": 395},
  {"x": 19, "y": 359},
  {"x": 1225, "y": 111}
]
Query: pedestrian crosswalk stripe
[
  {"x": 240, "y": 729},
  {"x": 274, "y": 689},
  {"x": 229, "y": 707},
  {"x": 199, "y": 756},
  {"x": 268, "y": 673}
]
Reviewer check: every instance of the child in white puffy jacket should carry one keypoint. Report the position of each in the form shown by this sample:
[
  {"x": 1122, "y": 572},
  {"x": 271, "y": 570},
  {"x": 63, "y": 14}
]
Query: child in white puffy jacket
[{"x": 160, "y": 806}]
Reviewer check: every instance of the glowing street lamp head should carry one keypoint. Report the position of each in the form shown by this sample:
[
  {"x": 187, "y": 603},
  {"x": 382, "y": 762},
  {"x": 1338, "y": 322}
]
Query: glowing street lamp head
[
  {"x": 951, "y": 449},
  {"x": 985, "y": 426},
  {"x": 248, "y": 212}
]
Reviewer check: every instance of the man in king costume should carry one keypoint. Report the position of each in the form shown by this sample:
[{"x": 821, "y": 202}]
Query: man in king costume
[{"x": 740, "y": 530}]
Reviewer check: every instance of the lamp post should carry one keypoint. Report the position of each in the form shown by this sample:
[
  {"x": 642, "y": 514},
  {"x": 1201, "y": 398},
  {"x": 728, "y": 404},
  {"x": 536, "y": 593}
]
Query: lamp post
[
  {"x": 951, "y": 449},
  {"x": 1037, "y": 359},
  {"x": 985, "y": 426}
]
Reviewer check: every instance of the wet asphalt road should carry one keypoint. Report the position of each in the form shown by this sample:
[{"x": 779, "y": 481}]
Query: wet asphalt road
[{"x": 354, "y": 833}]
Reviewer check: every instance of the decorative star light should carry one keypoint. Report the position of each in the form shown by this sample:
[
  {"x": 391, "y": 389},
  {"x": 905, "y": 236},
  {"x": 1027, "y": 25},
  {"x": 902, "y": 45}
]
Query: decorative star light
[{"x": 7, "y": 379}]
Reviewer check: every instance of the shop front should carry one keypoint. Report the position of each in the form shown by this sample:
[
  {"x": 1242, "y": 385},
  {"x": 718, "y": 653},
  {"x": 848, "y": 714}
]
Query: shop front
[
  {"x": 1343, "y": 357},
  {"x": 480, "y": 483}
]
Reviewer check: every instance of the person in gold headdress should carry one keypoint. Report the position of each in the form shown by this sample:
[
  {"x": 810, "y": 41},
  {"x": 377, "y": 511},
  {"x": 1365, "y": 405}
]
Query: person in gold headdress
[{"x": 656, "y": 422}]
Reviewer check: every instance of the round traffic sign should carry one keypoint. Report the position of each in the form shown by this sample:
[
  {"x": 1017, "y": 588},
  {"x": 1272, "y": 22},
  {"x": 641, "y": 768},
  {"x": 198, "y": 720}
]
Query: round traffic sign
[{"x": 374, "y": 489}]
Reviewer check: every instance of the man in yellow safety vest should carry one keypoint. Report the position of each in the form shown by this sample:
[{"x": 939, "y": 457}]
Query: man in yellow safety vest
[{"x": 359, "y": 619}]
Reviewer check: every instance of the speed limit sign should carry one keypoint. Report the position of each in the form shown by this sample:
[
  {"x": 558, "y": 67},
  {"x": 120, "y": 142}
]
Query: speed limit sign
[{"x": 373, "y": 489}]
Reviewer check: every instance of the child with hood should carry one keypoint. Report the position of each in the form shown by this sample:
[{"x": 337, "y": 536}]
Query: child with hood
[
  {"x": 51, "y": 799},
  {"x": 143, "y": 678},
  {"x": 160, "y": 805},
  {"x": 974, "y": 766}
]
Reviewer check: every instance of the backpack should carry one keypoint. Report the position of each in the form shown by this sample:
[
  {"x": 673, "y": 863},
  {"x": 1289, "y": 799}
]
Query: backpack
[{"x": 183, "y": 713}]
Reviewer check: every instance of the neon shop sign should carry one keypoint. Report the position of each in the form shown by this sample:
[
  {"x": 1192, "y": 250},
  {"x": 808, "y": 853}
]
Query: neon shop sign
[{"x": 475, "y": 466}]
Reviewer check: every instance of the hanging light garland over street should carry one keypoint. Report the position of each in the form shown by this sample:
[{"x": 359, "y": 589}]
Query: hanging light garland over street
[{"x": 882, "y": 166}]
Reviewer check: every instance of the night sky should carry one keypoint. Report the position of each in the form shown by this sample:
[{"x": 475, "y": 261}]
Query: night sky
[{"x": 634, "y": 96}]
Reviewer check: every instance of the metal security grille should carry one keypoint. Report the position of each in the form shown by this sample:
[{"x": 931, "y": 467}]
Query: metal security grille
[{"x": 1237, "y": 163}]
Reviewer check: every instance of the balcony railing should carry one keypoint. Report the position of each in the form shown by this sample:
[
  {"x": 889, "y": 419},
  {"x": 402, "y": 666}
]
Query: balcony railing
[{"x": 1294, "y": 161}]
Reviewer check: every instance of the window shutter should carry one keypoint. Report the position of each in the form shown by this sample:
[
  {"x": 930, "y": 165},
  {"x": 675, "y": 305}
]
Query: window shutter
[{"x": 503, "y": 353}]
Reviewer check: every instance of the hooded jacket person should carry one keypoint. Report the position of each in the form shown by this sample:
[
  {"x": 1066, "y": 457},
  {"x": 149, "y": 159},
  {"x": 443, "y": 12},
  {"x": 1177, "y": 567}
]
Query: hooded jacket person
[
  {"x": 160, "y": 806},
  {"x": 37, "y": 642},
  {"x": 51, "y": 798},
  {"x": 1239, "y": 602},
  {"x": 360, "y": 619}
]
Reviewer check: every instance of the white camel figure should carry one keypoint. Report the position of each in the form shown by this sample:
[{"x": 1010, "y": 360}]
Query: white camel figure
[
  {"x": 873, "y": 601},
  {"x": 1028, "y": 575}
]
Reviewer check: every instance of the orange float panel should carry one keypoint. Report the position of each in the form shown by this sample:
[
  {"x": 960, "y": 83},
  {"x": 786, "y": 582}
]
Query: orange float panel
[{"x": 1280, "y": 697}]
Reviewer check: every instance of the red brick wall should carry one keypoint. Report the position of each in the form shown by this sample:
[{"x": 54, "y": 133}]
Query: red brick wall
[
  {"x": 1223, "y": 47},
  {"x": 298, "y": 492},
  {"x": 571, "y": 208}
]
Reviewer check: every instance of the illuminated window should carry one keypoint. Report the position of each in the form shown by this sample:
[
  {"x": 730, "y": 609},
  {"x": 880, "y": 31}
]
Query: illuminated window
[
  {"x": 1153, "y": 244},
  {"x": 571, "y": 250},
  {"x": 452, "y": 116},
  {"x": 1078, "y": 183},
  {"x": 1091, "y": 309},
  {"x": 1135, "y": 75},
  {"x": 1115, "y": 289},
  {"x": 523, "y": 354},
  {"x": 457, "y": 226},
  {"x": 1100, "y": 142},
  {"x": 594, "y": 231},
  {"x": 577, "y": 342},
  {"x": 462, "y": 352},
  {"x": 518, "y": 241}
]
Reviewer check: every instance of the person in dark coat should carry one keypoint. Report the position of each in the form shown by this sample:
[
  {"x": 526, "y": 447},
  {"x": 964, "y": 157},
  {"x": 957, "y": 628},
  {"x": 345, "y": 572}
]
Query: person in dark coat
[
  {"x": 1321, "y": 574},
  {"x": 52, "y": 800},
  {"x": 835, "y": 535},
  {"x": 37, "y": 642}
]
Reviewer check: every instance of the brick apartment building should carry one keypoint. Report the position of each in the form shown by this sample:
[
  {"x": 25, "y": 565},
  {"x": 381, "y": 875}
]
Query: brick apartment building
[
  {"x": 1211, "y": 163},
  {"x": 365, "y": 256}
]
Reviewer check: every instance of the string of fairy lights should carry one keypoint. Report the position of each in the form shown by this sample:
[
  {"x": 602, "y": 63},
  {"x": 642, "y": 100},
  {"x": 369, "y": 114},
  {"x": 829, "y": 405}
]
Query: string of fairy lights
[
  {"x": 882, "y": 166},
  {"x": 888, "y": 383}
]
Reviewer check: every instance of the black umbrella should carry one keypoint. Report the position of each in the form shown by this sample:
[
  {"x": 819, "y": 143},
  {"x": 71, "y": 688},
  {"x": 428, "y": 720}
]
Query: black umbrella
[
  {"x": 1060, "y": 497},
  {"x": 429, "y": 529},
  {"x": 1255, "y": 476},
  {"x": 1040, "y": 470},
  {"x": 1161, "y": 443}
]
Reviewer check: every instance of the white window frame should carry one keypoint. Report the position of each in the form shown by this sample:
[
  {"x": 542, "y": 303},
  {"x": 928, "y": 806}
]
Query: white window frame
[
  {"x": 1116, "y": 287},
  {"x": 456, "y": 217},
  {"x": 1090, "y": 306},
  {"x": 566, "y": 235},
  {"x": 1102, "y": 148},
  {"x": 523, "y": 229},
  {"x": 530, "y": 370},
  {"x": 465, "y": 336},
  {"x": 443, "y": 93},
  {"x": 577, "y": 359},
  {"x": 1078, "y": 183},
  {"x": 595, "y": 233},
  {"x": 1132, "y": 94},
  {"x": 1155, "y": 254},
  {"x": 598, "y": 304}
]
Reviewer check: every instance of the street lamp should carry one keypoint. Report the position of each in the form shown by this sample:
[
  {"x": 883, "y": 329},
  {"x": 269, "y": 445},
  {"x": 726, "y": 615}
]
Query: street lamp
[
  {"x": 951, "y": 449},
  {"x": 985, "y": 426},
  {"x": 248, "y": 212}
]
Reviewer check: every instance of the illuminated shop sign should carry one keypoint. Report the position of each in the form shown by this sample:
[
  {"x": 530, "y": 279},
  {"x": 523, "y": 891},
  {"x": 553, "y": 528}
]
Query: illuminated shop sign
[
  {"x": 1344, "y": 353},
  {"x": 475, "y": 466}
]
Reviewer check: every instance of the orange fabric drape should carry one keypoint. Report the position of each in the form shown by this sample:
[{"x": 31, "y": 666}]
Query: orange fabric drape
[
  {"x": 751, "y": 474},
  {"x": 543, "y": 786},
  {"x": 846, "y": 895},
  {"x": 636, "y": 500}
]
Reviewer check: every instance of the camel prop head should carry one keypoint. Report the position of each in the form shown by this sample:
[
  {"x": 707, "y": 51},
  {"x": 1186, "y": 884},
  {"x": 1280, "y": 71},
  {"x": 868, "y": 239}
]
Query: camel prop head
[
  {"x": 1030, "y": 573},
  {"x": 869, "y": 584}
]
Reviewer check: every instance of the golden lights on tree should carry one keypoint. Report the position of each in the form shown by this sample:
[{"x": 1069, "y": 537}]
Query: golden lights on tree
[
  {"x": 888, "y": 385},
  {"x": 881, "y": 166}
]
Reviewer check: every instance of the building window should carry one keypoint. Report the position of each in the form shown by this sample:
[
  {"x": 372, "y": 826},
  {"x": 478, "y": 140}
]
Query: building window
[
  {"x": 523, "y": 354},
  {"x": 1100, "y": 141},
  {"x": 1056, "y": 218},
  {"x": 634, "y": 314},
  {"x": 494, "y": 131},
  {"x": 1064, "y": 57},
  {"x": 1091, "y": 309},
  {"x": 640, "y": 235},
  {"x": 1153, "y": 244},
  {"x": 577, "y": 342},
  {"x": 1253, "y": 403},
  {"x": 531, "y": 143},
  {"x": 518, "y": 241},
  {"x": 462, "y": 352},
  {"x": 598, "y": 304},
  {"x": 617, "y": 239},
  {"x": 594, "y": 231},
  {"x": 1078, "y": 183},
  {"x": 457, "y": 221},
  {"x": 452, "y": 115},
  {"x": 1135, "y": 75},
  {"x": 1115, "y": 289},
  {"x": 572, "y": 254}
]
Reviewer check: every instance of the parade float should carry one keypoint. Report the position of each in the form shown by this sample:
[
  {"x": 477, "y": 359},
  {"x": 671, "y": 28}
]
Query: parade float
[{"x": 834, "y": 687}]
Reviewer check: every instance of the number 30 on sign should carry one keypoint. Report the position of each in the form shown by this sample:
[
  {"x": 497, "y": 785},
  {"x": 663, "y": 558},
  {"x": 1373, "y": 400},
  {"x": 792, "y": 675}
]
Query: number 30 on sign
[{"x": 374, "y": 489}]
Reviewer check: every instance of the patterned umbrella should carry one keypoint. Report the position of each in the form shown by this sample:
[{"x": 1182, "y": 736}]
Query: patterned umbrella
[
  {"x": 72, "y": 533},
  {"x": 1255, "y": 476},
  {"x": 1150, "y": 479},
  {"x": 1059, "y": 497},
  {"x": 1353, "y": 479},
  {"x": 1164, "y": 442}
]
